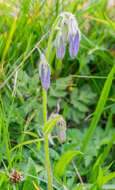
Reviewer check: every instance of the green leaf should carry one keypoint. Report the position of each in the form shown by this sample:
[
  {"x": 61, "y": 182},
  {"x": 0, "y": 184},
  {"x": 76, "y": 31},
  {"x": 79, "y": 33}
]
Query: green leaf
[
  {"x": 74, "y": 114},
  {"x": 96, "y": 164},
  {"x": 26, "y": 142},
  {"x": 63, "y": 83},
  {"x": 81, "y": 98},
  {"x": 31, "y": 134},
  {"x": 81, "y": 107},
  {"x": 63, "y": 162},
  {"x": 50, "y": 124},
  {"x": 108, "y": 177},
  {"x": 108, "y": 167},
  {"x": 100, "y": 178},
  {"x": 108, "y": 147}
]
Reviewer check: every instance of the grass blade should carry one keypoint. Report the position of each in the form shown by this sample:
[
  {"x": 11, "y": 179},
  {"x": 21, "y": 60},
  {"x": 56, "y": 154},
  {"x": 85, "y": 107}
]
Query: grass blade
[
  {"x": 64, "y": 160},
  {"x": 99, "y": 108}
]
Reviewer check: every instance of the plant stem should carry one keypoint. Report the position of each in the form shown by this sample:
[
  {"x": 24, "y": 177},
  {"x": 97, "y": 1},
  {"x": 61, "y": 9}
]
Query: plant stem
[
  {"x": 48, "y": 163},
  {"x": 46, "y": 141},
  {"x": 45, "y": 105},
  {"x": 45, "y": 110}
]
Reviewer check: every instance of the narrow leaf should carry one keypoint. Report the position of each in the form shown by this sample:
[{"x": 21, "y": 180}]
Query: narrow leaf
[
  {"x": 108, "y": 177},
  {"x": 99, "y": 108},
  {"x": 108, "y": 147},
  {"x": 63, "y": 162},
  {"x": 49, "y": 125}
]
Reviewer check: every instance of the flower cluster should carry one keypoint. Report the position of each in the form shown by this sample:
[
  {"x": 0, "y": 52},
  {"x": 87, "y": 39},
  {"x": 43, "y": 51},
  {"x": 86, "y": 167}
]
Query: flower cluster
[
  {"x": 68, "y": 33},
  {"x": 15, "y": 177}
]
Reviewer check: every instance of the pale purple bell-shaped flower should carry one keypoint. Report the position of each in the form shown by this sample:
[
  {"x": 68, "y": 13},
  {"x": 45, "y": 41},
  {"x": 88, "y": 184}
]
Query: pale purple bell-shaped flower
[
  {"x": 60, "y": 48},
  {"x": 74, "y": 45},
  {"x": 45, "y": 75}
]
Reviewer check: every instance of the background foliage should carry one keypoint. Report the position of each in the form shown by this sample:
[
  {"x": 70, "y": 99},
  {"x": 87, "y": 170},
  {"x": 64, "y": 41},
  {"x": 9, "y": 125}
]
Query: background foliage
[{"x": 82, "y": 90}]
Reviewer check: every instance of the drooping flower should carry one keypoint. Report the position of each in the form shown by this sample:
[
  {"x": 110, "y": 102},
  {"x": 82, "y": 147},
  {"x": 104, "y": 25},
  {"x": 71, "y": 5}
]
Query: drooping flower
[
  {"x": 60, "y": 47},
  {"x": 74, "y": 45},
  {"x": 44, "y": 71},
  {"x": 67, "y": 32},
  {"x": 61, "y": 130},
  {"x": 45, "y": 76},
  {"x": 61, "y": 127},
  {"x": 74, "y": 36}
]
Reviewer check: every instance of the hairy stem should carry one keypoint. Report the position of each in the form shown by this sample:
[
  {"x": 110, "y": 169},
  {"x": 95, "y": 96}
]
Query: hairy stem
[
  {"x": 45, "y": 105},
  {"x": 45, "y": 110},
  {"x": 48, "y": 164},
  {"x": 46, "y": 141}
]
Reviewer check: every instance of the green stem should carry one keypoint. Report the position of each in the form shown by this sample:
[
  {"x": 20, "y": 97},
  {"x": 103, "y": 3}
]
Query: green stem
[
  {"x": 45, "y": 105},
  {"x": 45, "y": 111},
  {"x": 46, "y": 141},
  {"x": 48, "y": 163}
]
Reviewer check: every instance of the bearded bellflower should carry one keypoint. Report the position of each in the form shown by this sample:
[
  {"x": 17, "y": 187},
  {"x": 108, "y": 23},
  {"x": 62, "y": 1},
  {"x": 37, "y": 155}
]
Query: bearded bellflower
[
  {"x": 44, "y": 73},
  {"x": 60, "y": 46},
  {"x": 74, "y": 37}
]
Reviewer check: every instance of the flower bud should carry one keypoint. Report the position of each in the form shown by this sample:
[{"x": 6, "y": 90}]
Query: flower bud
[
  {"x": 61, "y": 130},
  {"x": 60, "y": 46},
  {"x": 44, "y": 73}
]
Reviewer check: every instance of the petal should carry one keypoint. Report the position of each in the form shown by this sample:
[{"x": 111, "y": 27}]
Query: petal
[
  {"x": 45, "y": 76},
  {"x": 47, "y": 79},
  {"x": 60, "y": 50},
  {"x": 42, "y": 74},
  {"x": 76, "y": 43},
  {"x": 71, "y": 47}
]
